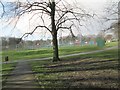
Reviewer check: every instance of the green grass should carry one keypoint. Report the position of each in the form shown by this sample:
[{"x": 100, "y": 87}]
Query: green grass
[
  {"x": 27, "y": 54},
  {"x": 76, "y": 49},
  {"x": 99, "y": 70},
  {"x": 111, "y": 54},
  {"x": 110, "y": 44},
  {"x": 47, "y": 52},
  {"x": 6, "y": 69}
]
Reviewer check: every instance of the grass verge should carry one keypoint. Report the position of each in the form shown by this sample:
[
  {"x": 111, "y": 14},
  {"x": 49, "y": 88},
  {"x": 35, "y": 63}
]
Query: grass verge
[
  {"x": 6, "y": 70},
  {"x": 98, "y": 70},
  {"x": 47, "y": 52}
]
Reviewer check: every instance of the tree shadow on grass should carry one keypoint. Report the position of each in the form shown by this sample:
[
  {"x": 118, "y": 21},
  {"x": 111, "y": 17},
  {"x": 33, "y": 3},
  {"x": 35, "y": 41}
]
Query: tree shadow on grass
[
  {"x": 78, "y": 69},
  {"x": 78, "y": 83},
  {"x": 77, "y": 66},
  {"x": 79, "y": 63}
]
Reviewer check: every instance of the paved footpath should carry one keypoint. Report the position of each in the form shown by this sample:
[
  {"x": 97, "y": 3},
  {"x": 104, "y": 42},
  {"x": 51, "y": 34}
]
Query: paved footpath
[{"x": 21, "y": 77}]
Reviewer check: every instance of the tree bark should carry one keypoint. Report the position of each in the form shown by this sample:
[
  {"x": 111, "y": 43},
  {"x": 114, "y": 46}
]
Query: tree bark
[
  {"x": 54, "y": 34},
  {"x": 55, "y": 48}
]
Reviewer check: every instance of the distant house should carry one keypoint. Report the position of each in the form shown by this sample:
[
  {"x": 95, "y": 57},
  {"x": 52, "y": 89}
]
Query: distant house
[{"x": 108, "y": 37}]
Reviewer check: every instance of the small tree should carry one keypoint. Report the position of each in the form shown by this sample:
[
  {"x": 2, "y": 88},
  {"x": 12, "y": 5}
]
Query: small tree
[{"x": 61, "y": 14}]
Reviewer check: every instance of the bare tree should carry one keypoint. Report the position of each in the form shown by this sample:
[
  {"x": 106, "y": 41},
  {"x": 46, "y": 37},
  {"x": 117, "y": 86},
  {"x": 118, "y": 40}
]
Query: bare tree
[
  {"x": 111, "y": 10},
  {"x": 112, "y": 14},
  {"x": 59, "y": 13}
]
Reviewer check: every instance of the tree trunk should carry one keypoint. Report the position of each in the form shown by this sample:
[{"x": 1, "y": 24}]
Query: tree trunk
[
  {"x": 55, "y": 48},
  {"x": 54, "y": 34}
]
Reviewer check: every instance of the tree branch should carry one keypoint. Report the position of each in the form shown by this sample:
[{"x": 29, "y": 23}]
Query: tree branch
[
  {"x": 68, "y": 19},
  {"x": 30, "y": 33},
  {"x": 61, "y": 17},
  {"x": 3, "y": 7},
  {"x": 65, "y": 27}
]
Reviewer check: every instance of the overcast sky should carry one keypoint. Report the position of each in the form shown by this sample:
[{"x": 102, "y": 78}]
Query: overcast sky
[{"x": 92, "y": 27}]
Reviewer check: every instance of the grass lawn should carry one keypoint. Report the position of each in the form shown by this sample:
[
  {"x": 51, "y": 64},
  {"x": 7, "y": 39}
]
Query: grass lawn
[
  {"x": 6, "y": 69},
  {"x": 109, "y": 44},
  {"x": 47, "y": 52},
  {"x": 99, "y": 70}
]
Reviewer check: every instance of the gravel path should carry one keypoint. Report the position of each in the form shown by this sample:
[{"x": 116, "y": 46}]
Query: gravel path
[{"x": 21, "y": 77}]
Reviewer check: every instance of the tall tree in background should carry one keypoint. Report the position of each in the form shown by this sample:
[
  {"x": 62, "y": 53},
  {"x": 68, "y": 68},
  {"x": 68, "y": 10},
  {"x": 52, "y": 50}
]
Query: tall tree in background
[
  {"x": 112, "y": 15},
  {"x": 59, "y": 13}
]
